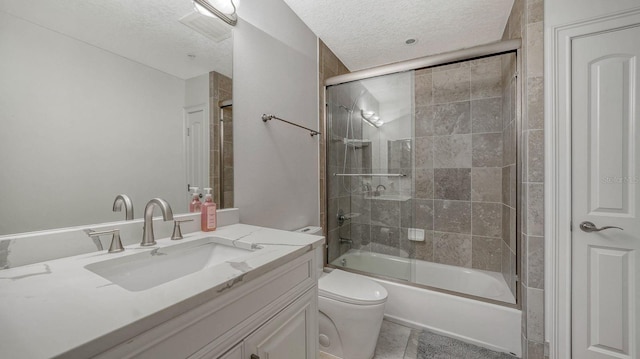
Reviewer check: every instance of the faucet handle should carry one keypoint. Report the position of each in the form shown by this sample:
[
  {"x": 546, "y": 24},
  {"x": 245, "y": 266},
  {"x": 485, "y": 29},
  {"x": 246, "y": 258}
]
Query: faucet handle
[
  {"x": 116, "y": 243},
  {"x": 177, "y": 233}
]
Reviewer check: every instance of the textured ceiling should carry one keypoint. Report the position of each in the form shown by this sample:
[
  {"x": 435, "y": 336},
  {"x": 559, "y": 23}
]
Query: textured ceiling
[
  {"x": 145, "y": 31},
  {"x": 371, "y": 33}
]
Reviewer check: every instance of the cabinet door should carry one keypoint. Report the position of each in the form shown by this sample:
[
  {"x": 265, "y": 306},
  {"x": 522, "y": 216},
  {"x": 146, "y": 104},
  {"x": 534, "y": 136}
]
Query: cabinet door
[
  {"x": 290, "y": 334},
  {"x": 235, "y": 353}
]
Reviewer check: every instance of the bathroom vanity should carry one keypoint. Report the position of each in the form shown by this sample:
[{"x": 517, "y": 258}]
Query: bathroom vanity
[{"x": 239, "y": 292}]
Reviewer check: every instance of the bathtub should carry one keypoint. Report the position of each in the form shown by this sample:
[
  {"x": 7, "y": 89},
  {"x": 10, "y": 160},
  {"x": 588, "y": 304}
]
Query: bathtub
[
  {"x": 485, "y": 324},
  {"x": 480, "y": 283}
]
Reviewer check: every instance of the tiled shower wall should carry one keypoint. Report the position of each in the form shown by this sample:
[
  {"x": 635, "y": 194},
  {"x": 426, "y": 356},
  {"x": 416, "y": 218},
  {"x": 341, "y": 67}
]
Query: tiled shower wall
[
  {"x": 458, "y": 163},
  {"x": 220, "y": 89},
  {"x": 526, "y": 22}
]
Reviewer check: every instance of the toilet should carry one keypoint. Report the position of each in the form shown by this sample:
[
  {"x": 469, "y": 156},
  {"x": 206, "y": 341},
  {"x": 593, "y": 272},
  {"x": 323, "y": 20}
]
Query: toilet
[{"x": 351, "y": 310}]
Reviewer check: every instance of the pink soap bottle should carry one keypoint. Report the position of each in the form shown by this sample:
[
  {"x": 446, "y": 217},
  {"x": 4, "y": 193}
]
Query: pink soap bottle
[
  {"x": 208, "y": 220},
  {"x": 195, "y": 205}
]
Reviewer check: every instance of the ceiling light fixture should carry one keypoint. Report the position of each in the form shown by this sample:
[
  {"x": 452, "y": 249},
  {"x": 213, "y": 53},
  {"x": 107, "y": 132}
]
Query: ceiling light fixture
[
  {"x": 225, "y": 10},
  {"x": 371, "y": 119}
]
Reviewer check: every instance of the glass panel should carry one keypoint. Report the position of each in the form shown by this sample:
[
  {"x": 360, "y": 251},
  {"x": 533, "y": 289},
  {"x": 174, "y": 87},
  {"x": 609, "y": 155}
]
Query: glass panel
[
  {"x": 422, "y": 176},
  {"x": 371, "y": 129}
]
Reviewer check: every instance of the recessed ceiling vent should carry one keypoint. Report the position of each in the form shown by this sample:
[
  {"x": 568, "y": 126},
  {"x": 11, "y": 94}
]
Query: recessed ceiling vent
[{"x": 210, "y": 27}]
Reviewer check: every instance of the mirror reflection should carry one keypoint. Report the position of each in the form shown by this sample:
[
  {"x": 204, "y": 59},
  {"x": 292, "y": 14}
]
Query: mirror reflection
[{"x": 100, "y": 98}]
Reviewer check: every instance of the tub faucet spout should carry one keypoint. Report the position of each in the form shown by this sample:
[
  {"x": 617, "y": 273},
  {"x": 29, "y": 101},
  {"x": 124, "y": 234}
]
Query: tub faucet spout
[{"x": 148, "y": 238}]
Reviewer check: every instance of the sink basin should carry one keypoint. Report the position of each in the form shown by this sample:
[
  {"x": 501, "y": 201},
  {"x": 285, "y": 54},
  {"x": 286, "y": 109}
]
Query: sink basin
[{"x": 149, "y": 269}]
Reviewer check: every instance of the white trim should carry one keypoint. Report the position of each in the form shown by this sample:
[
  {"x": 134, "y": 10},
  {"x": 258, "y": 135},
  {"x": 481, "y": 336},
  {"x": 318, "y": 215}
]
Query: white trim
[{"x": 558, "y": 172}]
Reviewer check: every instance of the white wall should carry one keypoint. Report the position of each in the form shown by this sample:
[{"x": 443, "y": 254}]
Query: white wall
[
  {"x": 568, "y": 11},
  {"x": 92, "y": 116},
  {"x": 275, "y": 71},
  {"x": 197, "y": 91}
]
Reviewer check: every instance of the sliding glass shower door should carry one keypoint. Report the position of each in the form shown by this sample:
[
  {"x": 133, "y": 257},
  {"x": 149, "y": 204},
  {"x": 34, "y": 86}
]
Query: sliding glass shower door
[
  {"x": 422, "y": 174},
  {"x": 371, "y": 175}
]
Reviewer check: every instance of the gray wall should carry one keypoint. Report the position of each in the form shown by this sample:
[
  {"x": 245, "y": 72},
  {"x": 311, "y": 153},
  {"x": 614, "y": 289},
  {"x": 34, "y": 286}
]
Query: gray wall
[{"x": 275, "y": 71}]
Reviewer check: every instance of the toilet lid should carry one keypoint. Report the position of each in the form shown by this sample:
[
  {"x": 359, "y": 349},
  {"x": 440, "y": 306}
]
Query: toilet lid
[{"x": 350, "y": 288}]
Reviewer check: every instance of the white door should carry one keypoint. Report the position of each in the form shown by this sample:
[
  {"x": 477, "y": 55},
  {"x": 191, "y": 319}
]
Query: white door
[
  {"x": 605, "y": 115},
  {"x": 197, "y": 148}
]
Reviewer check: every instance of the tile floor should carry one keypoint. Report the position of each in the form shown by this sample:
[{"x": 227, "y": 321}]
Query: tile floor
[{"x": 400, "y": 342}]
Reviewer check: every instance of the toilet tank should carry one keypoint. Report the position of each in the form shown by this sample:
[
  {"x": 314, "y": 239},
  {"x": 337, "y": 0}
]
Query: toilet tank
[{"x": 315, "y": 231}]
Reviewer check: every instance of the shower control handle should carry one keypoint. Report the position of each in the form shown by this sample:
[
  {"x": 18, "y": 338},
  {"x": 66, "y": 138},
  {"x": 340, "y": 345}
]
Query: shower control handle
[{"x": 589, "y": 227}]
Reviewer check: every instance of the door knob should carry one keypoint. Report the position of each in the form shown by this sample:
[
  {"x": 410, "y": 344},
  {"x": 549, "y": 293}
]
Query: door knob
[{"x": 590, "y": 227}]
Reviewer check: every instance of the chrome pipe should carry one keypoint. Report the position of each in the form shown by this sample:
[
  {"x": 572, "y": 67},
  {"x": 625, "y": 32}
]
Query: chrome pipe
[{"x": 428, "y": 61}]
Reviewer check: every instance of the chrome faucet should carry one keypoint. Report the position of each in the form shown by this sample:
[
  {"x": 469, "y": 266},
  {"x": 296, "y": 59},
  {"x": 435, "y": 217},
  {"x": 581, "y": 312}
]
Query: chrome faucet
[
  {"x": 167, "y": 215},
  {"x": 128, "y": 206}
]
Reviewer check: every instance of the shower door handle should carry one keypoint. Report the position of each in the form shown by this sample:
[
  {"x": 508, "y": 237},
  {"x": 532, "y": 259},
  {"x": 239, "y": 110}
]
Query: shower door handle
[{"x": 590, "y": 227}]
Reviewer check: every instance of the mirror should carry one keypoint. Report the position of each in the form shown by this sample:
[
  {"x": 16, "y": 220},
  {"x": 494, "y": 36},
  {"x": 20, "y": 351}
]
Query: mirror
[{"x": 99, "y": 98}]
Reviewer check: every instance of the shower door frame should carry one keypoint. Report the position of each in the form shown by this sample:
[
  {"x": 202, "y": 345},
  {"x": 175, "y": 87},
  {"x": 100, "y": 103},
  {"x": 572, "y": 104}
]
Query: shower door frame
[{"x": 483, "y": 51}]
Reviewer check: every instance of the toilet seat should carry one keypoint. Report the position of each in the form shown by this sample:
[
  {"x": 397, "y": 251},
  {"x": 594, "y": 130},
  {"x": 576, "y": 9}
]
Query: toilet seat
[{"x": 350, "y": 288}]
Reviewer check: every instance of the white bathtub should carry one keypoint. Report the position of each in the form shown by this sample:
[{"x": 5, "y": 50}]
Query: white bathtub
[
  {"x": 489, "y": 325},
  {"x": 481, "y": 283}
]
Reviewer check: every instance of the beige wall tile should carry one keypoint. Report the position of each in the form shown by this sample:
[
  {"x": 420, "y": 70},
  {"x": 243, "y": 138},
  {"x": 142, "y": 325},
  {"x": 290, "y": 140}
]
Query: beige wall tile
[
  {"x": 487, "y": 253},
  {"x": 486, "y": 115},
  {"x": 535, "y": 103},
  {"x": 486, "y": 184},
  {"x": 452, "y": 118},
  {"x": 452, "y": 151},
  {"x": 452, "y": 183},
  {"x": 486, "y": 219},
  {"x": 451, "y": 86},
  {"x": 535, "y": 50},
  {"x": 487, "y": 150},
  {"x": 452, "y": 216},
  {"x": 452, "y": 248},
  {"x": 486, "y": 80}
]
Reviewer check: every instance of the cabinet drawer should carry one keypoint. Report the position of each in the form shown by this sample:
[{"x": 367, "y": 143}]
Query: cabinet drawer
[{"x": 223, "y": 318}]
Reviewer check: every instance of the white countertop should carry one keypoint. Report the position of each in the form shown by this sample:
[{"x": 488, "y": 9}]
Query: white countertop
[{"x": 58, "y": 306}]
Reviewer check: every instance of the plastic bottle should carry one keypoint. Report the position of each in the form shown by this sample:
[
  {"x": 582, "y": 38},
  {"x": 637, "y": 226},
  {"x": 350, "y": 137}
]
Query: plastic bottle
[
  {"x": 208, "y": 220},
  {"x": 195, "y": 205}
]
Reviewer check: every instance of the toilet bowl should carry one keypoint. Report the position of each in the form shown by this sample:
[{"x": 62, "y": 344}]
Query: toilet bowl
[{"x": 351, "y": 311}]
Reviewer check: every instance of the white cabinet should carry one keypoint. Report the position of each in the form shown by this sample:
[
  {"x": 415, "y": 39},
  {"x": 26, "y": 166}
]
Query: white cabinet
[
  {"x": 234, "y": 353},
  {"x": 290, "y": 334},
  {"x": 271, "y": 316}
]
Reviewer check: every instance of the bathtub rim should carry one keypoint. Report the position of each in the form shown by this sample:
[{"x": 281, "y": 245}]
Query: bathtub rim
[{"x": 328, "y": 267}]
